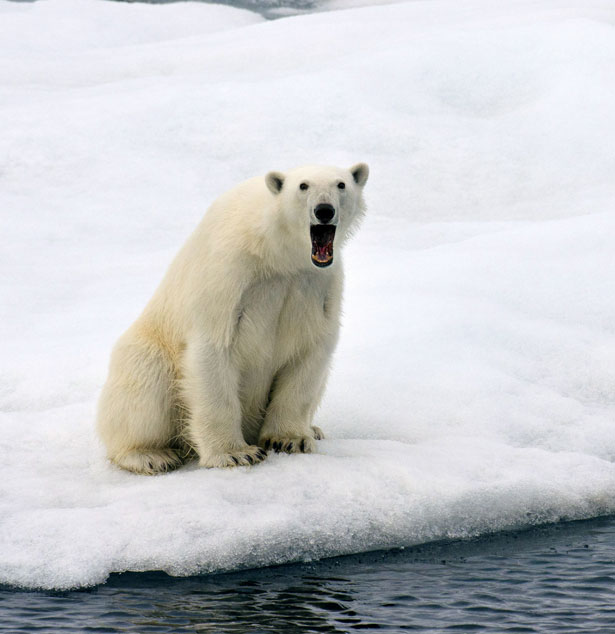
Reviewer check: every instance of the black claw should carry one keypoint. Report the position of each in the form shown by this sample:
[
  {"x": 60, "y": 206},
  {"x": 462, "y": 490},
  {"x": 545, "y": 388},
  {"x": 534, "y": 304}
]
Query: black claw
[
  {"x": 289, "y": 447},
  {"x": 302, "y": 447},
  {"x": 261, "y": 454},
  {"x": 249, "y": 458},
  {"x": 234, "y": 460},
  {"x": 277, "y": 446},
  {"x": 267, "y": 444}
]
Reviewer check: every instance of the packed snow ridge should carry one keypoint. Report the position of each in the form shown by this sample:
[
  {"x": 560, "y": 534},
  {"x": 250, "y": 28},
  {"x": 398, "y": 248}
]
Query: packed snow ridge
[{"x": 473, "y": 389}]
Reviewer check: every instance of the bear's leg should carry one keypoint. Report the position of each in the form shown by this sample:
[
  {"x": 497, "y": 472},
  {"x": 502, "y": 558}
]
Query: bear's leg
[
  {"x": 298, "y": 388},
  {"x": 134, "y": 411},
  {"x": 210, "y": 389}
]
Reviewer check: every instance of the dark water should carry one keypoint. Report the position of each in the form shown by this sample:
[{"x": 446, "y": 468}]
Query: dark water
[
  {"x": 270, "y": 9},
  {"x": 558, "y": 578}
]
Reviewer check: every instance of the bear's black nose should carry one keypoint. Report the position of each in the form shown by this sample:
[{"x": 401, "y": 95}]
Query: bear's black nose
[{"x": 324, "y": 212}]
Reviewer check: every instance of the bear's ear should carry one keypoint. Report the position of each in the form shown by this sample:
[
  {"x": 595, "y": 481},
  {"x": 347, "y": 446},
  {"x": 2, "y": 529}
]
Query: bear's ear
[
  {"x": 360, "y": 172},
  {"x": 275, "y": 182}
]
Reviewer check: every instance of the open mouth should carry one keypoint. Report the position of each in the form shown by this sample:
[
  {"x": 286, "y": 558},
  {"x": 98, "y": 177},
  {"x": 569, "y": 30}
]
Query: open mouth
[{"x": 322, "y": 244}]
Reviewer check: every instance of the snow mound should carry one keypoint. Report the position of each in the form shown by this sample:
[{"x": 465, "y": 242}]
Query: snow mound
[{"x": 473, "y": 388}]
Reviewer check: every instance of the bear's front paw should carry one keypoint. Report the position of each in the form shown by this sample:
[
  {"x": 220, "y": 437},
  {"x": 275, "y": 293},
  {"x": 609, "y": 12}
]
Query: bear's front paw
[
  {"x": 298, "y": 444},
  {"x": 318, "y": 433},
  {"x": 246, "y": 456}
]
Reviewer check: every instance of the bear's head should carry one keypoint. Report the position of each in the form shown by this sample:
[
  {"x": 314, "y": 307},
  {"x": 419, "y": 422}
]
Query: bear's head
[{"x": 320, "y": 206}]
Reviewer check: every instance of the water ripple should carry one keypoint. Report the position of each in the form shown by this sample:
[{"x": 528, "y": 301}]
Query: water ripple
[{"x": 557, "y": 579}]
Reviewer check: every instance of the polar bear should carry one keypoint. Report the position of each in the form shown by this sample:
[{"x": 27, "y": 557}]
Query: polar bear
[{"x": 230, "y": 356}]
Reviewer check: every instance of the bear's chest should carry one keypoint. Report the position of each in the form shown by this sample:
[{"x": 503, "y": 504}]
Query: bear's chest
[{"x": 280, "y": 318}]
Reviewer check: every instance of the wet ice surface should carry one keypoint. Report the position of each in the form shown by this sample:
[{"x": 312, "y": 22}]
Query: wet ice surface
[
  {"x": 472, "y": 390},
  {"x": 557, "y": 578}
]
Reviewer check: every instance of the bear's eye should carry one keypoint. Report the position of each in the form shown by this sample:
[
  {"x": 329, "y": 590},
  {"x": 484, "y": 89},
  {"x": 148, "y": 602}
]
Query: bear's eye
[
  {"x": 303, "y": 186},
  {"x": 341, "y": 185}
]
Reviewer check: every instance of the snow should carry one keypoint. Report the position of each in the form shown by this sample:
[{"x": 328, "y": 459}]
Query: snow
[{"x": 473, "y": 389}]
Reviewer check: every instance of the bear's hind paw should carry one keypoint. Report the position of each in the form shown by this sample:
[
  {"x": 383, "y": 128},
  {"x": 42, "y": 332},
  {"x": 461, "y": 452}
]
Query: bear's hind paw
[{"x": 148, "y": 461}]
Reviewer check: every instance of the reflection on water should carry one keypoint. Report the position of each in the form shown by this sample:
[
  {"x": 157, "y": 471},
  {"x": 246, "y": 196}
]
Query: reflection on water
[
  {"x": 239, "y": 605},
  {"x": 558, "y": 578}
]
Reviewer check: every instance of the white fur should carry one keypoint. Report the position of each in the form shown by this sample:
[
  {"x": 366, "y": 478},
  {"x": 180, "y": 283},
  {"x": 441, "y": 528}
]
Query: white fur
[{"x": 233, "y": 349}]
